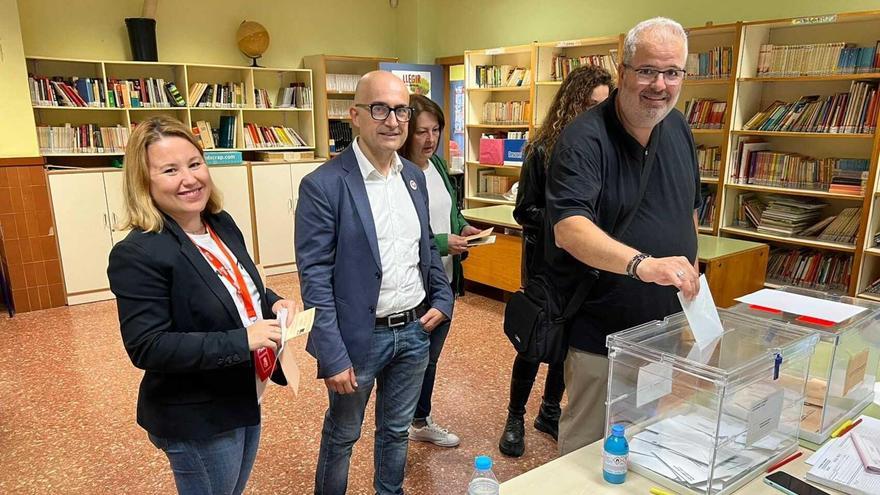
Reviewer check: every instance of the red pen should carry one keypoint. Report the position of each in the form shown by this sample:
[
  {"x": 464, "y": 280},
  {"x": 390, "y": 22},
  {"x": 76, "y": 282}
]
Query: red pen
[
  {"x": 784, "y": 461},
  {"x": 850, "y": 427}
]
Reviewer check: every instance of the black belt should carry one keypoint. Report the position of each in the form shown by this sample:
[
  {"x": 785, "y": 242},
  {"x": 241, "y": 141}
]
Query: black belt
[{"x": 402, "y": 318}]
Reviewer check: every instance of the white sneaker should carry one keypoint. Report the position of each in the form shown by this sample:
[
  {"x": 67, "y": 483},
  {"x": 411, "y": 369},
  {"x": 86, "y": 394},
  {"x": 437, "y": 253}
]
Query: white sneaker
[{"x": 433, "y": 433}]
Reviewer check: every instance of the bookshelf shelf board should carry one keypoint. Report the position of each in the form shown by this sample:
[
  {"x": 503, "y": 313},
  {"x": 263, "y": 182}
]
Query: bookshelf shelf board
[
  {"x": 709, "y": 180},
  {"x": 277, "y": 109},
  {"x": 795, "y": 192},
  {"x": 478, "y": 164},
  {"x": 494, "y": 201},
  {"x": 502, "y": 89},
  {"x": 708, "y": 82},
  {"x": 497, "y": 126},
  {"x": 275, "y": 148},
  {"x": 582, "y": 42},
  {"x": 120, "y": 153},
  {"x": 338, "y": 118},
  {"x": 138, "y": 109},
  {"x": 811, "y": 135},
  {"x": 829, "y": 77},
  {"x": 548, "y": 83},
  {"x": 340, "y": 93},
  {"x": 707, "y": 131},
  {"x": 871, "y": 297},
  {"x": 797, "y": 241},
  {"x": 100, "y": 109},
  {"x": 704, "y": 229},
  {"x": 873, "y": 251},
  {"x": 216, "y": 109},
  {"x": 771, "y": 285}
]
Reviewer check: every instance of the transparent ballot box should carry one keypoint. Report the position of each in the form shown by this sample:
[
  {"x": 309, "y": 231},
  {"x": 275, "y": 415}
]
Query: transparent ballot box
[
  {"x": 843, "y": 369},
  {"x": 708, "y": 419}
]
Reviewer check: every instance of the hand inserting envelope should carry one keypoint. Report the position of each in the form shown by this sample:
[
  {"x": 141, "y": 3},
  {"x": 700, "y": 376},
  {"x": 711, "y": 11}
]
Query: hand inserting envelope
[
  {"x": 702, "y": 316},
  {"x": 302, "y": 324}
]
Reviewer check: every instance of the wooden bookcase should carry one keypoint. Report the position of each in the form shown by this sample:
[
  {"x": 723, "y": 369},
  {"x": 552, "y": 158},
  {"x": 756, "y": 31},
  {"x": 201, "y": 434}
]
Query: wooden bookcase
[
  {"x": 519, "y": 56},
  {"x": 322, "y": 66},
  {"x": 182, "y": 75},
  {"x": 753, "y": 93}
]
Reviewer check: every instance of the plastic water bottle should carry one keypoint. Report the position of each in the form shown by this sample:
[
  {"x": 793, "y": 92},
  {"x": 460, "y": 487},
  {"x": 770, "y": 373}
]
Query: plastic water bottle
[
  {"x": 614, "y": 456},
  {"x": 483, "y": 482}
]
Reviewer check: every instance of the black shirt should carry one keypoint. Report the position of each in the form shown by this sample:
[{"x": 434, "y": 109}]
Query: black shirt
[{"x": 595, "y": 173}]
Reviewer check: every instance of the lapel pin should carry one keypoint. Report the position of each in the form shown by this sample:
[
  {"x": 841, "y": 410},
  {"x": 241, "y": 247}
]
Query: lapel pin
[{"x": 412, "y": 184}]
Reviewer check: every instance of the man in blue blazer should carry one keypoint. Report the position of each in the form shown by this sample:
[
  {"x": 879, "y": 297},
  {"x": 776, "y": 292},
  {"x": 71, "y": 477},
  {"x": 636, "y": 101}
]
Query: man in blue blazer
[{"x": 367, "y": 261}]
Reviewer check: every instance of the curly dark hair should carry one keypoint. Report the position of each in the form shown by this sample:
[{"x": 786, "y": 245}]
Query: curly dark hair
[
  {"x": 420, "y": 104},
  {"x": 572, "y": 98}
]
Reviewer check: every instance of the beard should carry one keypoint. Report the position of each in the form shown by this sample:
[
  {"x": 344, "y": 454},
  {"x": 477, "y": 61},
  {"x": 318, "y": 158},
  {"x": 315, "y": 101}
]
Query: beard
[{"x": 640, "y": 114}]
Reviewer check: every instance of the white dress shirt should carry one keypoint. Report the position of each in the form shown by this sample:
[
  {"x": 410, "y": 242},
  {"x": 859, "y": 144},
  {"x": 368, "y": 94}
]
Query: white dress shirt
[{"x": 398, "y": 232}]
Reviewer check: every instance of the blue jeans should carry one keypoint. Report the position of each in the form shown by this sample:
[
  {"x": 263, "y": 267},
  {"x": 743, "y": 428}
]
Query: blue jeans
[
  {"x": 397, "y": 361},
  {"x": 220, "y": 464},
  {"x": 438, "y": 338}
]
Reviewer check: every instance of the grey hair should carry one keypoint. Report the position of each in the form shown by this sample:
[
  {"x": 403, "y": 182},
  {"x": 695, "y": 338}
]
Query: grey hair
[{"x": 636, "y": 35}]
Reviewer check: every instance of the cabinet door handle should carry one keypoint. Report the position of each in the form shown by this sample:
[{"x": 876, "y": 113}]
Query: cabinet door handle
[
  {"x": 290, "y": 204},
  {"x": 106, "y": 226},
  {"x": 115, "y": 223}
]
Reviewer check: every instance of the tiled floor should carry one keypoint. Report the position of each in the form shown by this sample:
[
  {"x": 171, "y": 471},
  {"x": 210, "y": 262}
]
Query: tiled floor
[{"x": 68, "y": 393}]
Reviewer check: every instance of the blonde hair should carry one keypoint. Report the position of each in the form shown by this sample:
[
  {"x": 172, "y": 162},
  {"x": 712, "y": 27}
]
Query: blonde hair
[{"x": 141, "y": 211}]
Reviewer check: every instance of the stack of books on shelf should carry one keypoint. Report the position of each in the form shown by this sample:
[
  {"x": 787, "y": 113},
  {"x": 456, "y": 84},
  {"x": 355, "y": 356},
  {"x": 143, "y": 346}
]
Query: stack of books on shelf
[
  {"x": 854, "y": 112},
  {"x": 714, "y": 64},
  {"x": 222, "y": 137},
  {"x": 295, "y": 95},
  {"x": 85, "y": 138},
  {"x": 563, "y": 64},
  {"x": 709, "y": 160},
  {"x": 786, "y": 216},
  {"x": 816, "y": 59},
  {"x": 809, "y": 268},
  {"x": 842, "y": 227},
  {"x": 342, "y": 83},
  {"x": 229, "y": 95},
  {"x": 705, "y": 113},
  {"x": 340, "y": 136},
  {"x": 276, "y": 136},
  {"x": 502, "y": 76},
  {"x": 706, "y": 213},
  {"x": 849, "y": 176},
  {"x": 143, "y": 93},
  {"x": 70, "y": 92},
  {"x": 874, "y": 288},
  {"x": 749, "y": 209},
  {"x": 506, "y": 112},
  {"x": 338, "y": 109},
  {"x": 490, "y": 183}
]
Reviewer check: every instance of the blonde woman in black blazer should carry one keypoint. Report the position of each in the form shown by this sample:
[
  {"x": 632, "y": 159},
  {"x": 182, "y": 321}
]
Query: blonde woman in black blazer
[{"x": 184, "y": 320}]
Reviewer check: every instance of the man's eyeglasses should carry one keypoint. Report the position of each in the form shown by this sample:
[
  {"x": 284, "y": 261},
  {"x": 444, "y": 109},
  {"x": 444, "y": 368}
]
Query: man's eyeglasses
[
  {"x": 381, "y": 111},
  {"x": 647, "y": 75}
]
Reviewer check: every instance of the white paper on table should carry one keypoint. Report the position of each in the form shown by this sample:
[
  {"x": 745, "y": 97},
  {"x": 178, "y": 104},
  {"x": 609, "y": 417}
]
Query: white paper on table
[
  {"x": 842, "y": 468},
  {"x": 654, "y": 381},
  {"x": 702, "y": 315},
  {"x": 763, "y": 417},
  {"x": 802, "y": 305}
]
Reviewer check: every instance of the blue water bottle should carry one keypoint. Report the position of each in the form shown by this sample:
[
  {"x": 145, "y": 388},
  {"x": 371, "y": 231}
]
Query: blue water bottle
[{"x": 614, "y": 456}]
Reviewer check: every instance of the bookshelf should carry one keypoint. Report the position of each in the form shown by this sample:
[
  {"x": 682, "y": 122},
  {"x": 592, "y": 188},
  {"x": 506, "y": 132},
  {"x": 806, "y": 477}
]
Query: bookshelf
[
  {"x": 110, "y": 81},
  {"x": 334, "y": 95},
  {"x": 487, "y": 95},
  {"x": 760, "y": 161}
]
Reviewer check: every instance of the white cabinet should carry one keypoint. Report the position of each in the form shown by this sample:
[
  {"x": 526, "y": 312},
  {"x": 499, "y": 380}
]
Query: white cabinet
[
  {"x": 85, "y": 234},
  {"x": 276, "y": 190},
  {"x": 232, "y": 181}
]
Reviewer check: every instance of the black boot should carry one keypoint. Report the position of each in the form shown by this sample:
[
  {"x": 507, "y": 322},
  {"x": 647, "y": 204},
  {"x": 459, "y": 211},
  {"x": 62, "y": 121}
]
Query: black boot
[
  {"x": 513, "y": 442},
  {"x": 548, "y": 419}
]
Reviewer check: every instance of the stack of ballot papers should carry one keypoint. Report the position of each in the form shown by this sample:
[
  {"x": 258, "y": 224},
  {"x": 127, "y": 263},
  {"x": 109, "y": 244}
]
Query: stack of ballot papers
[
  {"x": 849, "y": 463},
  {"x": 680, "y": 448}
]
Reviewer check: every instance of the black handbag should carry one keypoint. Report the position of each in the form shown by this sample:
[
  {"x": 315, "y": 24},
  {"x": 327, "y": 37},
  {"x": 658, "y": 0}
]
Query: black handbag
[{"x": 536, "y": 317}]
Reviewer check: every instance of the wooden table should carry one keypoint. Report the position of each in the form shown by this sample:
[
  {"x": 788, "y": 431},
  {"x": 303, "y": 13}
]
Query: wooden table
[{"x": 733, "y": 267}]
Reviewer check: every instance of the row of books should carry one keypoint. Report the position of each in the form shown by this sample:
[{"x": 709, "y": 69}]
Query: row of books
[
  {"x": 563, "y": 64},
  {"x": 787, "y": 216},
  {"x": 340, "y": 135},
  {"x": 854, "y": 112},
  {"x": 757, "y": 164},
  {"x": 296, "y": 95},
  {"x": 338, "y": 109},
  {"x": 706, "y": 213},
  {"x": 705, "y": 113},
  {"x": 809, "y": 268},
  {"x": 222, "y": 137},
  {"x": 276, "y": 136},
  {"x": 84, "y": 138},
  {"x": 714, "y": 64},
  {"x": 816, "y": 59},
  {"x": 71, "y": 92},
  {"x": 709, "y": 160},
  {"x": 342, "y": 83},
  {"x": 506, "y": 112},
  {"x": 229, "y": 95},
  {"x": 143, "y": 93},
  {"x": 874, "y": 287},
  {"x": 491, "y": 182},
  {"x": 500, "y": 76},
  {"x": 842, "y": 227}
]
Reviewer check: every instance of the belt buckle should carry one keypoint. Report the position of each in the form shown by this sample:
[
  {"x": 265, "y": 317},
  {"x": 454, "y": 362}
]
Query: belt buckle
[{"x": 396, "y": 320}]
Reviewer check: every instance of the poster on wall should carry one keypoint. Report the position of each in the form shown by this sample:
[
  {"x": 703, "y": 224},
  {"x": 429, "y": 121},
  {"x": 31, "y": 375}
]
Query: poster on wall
[
  {"x": 456, "y": 129},
  {"x": 422, "y": 79},
  {"x": 418, "y": 82}
]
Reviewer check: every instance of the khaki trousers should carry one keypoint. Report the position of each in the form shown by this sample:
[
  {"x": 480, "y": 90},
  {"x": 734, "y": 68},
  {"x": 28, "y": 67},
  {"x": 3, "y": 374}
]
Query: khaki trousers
[{"x": 583, "y": 419}]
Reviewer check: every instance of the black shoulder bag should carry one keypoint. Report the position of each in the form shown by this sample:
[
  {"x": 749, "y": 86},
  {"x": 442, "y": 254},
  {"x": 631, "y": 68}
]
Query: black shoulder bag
[{"x": 535, "y": 318}]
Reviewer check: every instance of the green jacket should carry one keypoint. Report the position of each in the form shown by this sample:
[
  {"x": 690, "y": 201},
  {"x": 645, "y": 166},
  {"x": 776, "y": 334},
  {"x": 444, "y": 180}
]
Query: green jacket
[{"x": 457, "y": 224}]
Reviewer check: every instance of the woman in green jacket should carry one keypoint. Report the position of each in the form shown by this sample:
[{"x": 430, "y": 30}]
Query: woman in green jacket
[{"x": 450, "y": 230}]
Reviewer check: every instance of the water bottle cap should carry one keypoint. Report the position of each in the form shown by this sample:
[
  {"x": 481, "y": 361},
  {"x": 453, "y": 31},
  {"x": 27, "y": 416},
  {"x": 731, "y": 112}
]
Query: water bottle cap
[
  {"x": 617, "y": 430},
  {"x": 483, "y": 462}
]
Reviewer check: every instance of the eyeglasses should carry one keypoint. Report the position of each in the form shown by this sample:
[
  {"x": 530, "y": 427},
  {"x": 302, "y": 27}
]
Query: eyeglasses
[
  {"x": 381, "y": 111},
  {"x": 647, "y": 75}
]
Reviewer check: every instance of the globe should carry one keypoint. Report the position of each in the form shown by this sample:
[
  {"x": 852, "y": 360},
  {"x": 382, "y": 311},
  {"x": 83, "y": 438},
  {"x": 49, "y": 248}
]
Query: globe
[{"x": 252, "y": 39}]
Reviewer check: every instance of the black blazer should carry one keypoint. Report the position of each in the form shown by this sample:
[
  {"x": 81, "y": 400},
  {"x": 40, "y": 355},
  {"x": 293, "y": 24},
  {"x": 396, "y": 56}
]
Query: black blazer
[{"x": 181, "y": 326}]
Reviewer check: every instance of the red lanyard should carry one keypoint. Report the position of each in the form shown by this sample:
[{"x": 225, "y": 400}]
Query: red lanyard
[{"x": 238, "y": 282}]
